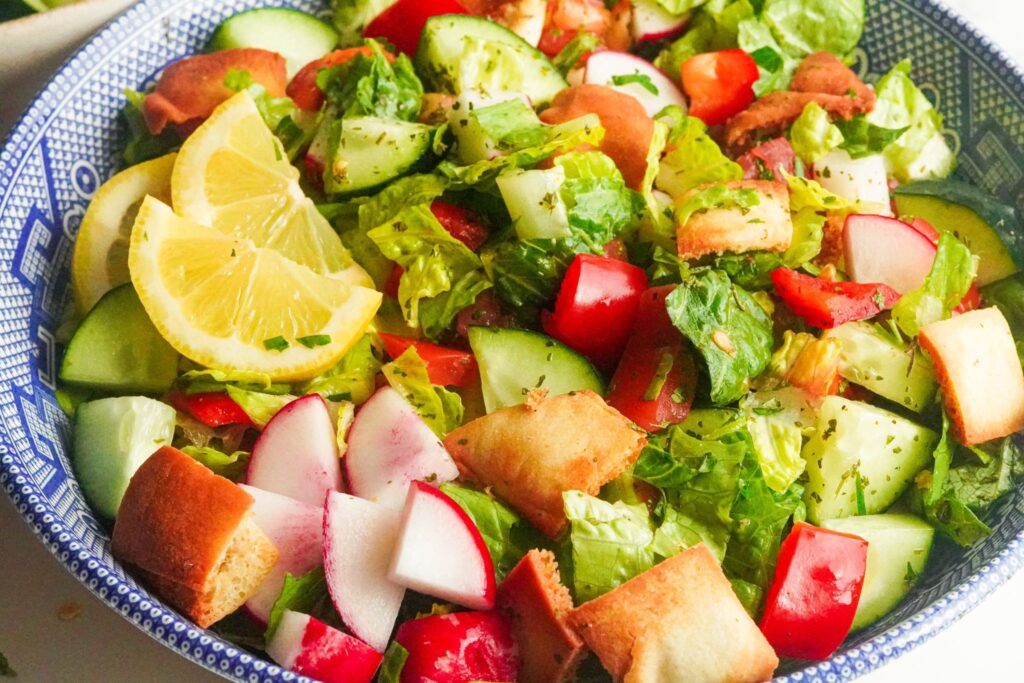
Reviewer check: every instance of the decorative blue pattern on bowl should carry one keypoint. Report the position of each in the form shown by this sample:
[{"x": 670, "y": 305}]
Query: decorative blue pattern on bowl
[{"x": 68, "y": 143}]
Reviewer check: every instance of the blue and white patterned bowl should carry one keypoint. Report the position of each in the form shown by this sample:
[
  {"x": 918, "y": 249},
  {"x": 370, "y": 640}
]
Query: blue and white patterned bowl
[{"x": 68, "y": 141}]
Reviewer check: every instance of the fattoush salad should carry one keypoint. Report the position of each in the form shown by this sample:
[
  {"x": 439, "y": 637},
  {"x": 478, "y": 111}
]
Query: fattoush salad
[{"x": 540, "y": 340}]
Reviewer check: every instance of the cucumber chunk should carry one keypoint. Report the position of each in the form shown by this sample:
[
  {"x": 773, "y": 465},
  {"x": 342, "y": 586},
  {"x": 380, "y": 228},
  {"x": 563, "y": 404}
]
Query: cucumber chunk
[
  {"x": 534, "y": 201},
  {"x": 879, "y": 364},
  {"x": 460, "y": 53},
  {"x": 858, "y": 443},
  {"x": 512, "y": 362},
  {"x": 113, "y": 437},
  {"x": 898, "y": 549},
  {"x": 976, "y": 219},
  {"x": 366, "y": 152},
  {"x": 118, "y": 349},
  {"x": 298, "y": 37}
]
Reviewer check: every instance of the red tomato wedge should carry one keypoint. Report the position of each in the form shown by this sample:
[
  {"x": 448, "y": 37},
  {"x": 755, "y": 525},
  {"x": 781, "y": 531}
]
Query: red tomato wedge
[
  {"x": 656, "y": 379},
  {"x": 719, "y": 84},
  {"x": 813, "y": 599},
  {"x": 402, "y": 23},
  {"x": 462, "y": 224},
  {"x": 303, "y": 88},
  {"x": 827, "y": 304},
  {"x": 596, "y": 307},
  {"x": 445, "y": 367},
  {"x": 213, "y": 409}
]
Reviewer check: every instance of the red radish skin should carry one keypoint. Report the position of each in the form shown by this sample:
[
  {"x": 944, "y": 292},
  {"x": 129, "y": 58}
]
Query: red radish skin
[
  {"x": 359, "y": 539},
  {"x": 459, "y": 648},
  {"x": 390, "y": 446},
  {"x": 886, "y": 250},
  {"x": 297, "y": 453},
  {"x": 463, "y": 573},
  {"x": 310, "y": 647},
  {"x": 651, "y": 22},
  {"x": 603, "y": 66},
  {"x": 296, "y": 530}
]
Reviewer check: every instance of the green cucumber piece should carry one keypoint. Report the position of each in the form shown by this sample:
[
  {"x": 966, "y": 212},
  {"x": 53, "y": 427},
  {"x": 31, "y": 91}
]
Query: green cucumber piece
[
  {"x": 856, "y": 442},
  {"x": 534, "y": 202},
  {"x": 880, "y": 365},
  {"x": 367, "y": 152},
  {"x": 118, "y": 349},
  {"x": 462, "y": 53},
  {"x": 512, "y": 362},
  {"x": 976, "y": 219},
  {"x": 298, "y": 37},
  {"x": 113, "y": 437},
  {"x": 898, "y": 549}
]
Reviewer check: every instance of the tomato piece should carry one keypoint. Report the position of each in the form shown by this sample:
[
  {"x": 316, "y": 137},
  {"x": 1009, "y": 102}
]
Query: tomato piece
[
  {"x": 719, "y": 84},
  {"x": 765, "y": 162},
  {"x": 656, "y": 379},
  {"x": 459, "y": 648},
  {"x": 926, "y": 229},
  {"x": 486, "y": 311},
  {"x": 213, "y": 409},
  {"x": 303, "y": 88},
  {"x": 971, "y": 300},
  {"x": 462, "y": 224},
  {"x": 445, "y": 366},
  {"x": 390, "y": 287},
  {"x": 616, "y": 249},
  {"x": 813, "y": 599},
  {"x": 596, "y": 307},
  {"x": 827, "y": 304},
  {"x": 402, "y": 23}
]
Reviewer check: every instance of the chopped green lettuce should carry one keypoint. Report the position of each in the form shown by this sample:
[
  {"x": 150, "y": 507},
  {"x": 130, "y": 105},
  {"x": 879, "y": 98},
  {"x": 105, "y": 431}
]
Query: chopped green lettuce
[
  {"x": 862, "y": 138},
  {"x": 693, "y": 158},
  {"x": 527, "y": 274},
  {"x": 373, "y": 86},
  {"x": 508, "y": 536},
  {"x": 391, "y": 666},
  {"x": 680, "y": 7},
  {"x": 727, "y": 326},
  {"x": 258, "y": 406},
  {"x": 229, "y": 466},
  {"x": 273, "y": 110},
  {"x": 944, "y": 288},
  {"x": 921, "y": 151},
  {"x": 307, "y": 594},
  {"x": 440, "y": 409},
  {"x": 350, "y": 17},
  {"x": 775, "y": 64},
  {"x": 582, "y": 43},
  {"x": 598, "y": 203},
  {"x": 813, "y": 134},
  {"x": 353, "y": 378},
  {"x": 777, "y": 442},
  {"x": 143, "y": 145},
  {"x": 714, "y": 27},
  {"x": 803, "y": 27}
]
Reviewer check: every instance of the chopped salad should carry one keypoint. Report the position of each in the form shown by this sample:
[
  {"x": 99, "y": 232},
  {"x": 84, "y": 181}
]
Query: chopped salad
[{"x": 461, "y": 340}]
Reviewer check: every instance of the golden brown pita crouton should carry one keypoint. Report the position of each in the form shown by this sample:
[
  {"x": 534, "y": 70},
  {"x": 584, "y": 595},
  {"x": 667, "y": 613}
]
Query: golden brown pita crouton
[
  {"x": 820, "y": 78},
  {"x": 529, "y": 455},
  {"x": 978, "y": 368},
  {"x": 680, "y": 621},
  {"x": 767, "y": 226},
  {"x": 537, "y": 603}
]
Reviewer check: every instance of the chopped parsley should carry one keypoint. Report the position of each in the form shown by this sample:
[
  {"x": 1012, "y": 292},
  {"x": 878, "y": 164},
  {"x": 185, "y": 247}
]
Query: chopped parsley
[
  {"x": 643, "y": 80},
  {"x": 315, "y": 340},
  {"x": 276, "y": 344}
]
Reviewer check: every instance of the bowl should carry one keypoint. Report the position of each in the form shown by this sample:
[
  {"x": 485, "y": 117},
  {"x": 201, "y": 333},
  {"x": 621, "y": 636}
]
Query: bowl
[{"x": 67, "y": 143}]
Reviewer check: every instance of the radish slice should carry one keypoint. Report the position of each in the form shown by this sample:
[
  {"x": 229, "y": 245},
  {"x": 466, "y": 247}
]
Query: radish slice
[
  {"x": 310, "y": 647},
  {"x": 885, "y": 250},
  {"x": 654, "y": 90},
  {"x": 651, "y": 21}
]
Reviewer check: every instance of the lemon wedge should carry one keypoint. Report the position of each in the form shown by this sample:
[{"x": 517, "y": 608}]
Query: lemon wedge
[
  {"x": 227, "y": 302},
  {"x": 233, "y": 175},
  {"x": 100, "y": 260}
]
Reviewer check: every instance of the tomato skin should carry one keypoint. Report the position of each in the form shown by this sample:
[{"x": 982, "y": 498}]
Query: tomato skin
[
  {"x": 654, "y": 337},
  {"x": 826, "y": 304},
  {"x": 771, "y": 157},
  {"x": 596, "y": 307},
  {"x": 303, "y": 88},
  {"x": 462, "y": 224},
  {"x": 445, "y": 366},
  {"x": 213, "y": 409},
  {"x": 459, "y": 648},
  {"x": 402, "y": 23},
  {"x": 719, "y": 84},
  {"x": 813, "y": 599}
]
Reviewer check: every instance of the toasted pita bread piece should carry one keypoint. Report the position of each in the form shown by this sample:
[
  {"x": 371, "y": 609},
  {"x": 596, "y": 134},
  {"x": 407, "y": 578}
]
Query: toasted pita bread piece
[
  {"x": 191, "y": 535},
  {"x": 529, "y": 454},
  {"x": 978, "y": 368},
  {"x": 537, "y": 603},
  {"x": 679, "y": 621},
  {"x": 767, "y": 226}
]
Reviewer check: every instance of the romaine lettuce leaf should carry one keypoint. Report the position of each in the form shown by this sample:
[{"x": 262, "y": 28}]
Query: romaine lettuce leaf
[
  {"x": 803, "y": 27},
  {"x": 582, "y": 43},
  {"x": 714, "y": 27},
  {"x": 373, "y": 86},
  {"x": 258, "y": 406},
  {"x": 350, "y": 17},
  {"x": 228, "y": 466},
  {"x": 598, "y": 203},
  {"x": 143, "y": 145},
  {"x": 391, "y": 666},
  {"x": 353, "y": 378},
  {"x": 774, "y": 63},
  {"x": 727, "y": 326},
  {"x": 813, "y": 134},
  {"x": 944, "y": 288},
  {"x": 508, "y": 537},
  {"x": 440, "y": 409},
  {"x": 921, "y": 151},
  {"x": 694, "y": 158},
  {"x": 527, "y": 274},
  {"x": 307, "y": 594}
]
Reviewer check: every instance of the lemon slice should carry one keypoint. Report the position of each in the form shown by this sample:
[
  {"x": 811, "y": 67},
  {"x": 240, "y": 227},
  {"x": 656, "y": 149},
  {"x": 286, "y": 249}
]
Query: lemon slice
[
  {"x": 100, "y": 261},
  {"x": 232, "y": 174},
  {"x": 226, "y": 303}
]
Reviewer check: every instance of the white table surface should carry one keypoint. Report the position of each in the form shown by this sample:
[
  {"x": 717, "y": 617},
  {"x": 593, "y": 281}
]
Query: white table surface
[{"x": 53, "y": 630}]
